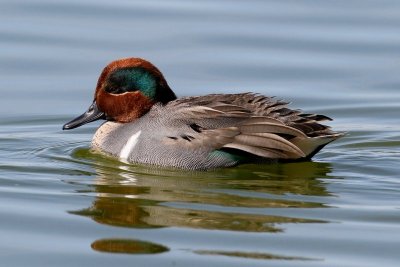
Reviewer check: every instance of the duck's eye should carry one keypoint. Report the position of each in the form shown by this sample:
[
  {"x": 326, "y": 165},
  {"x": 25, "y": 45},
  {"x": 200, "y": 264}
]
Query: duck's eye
[
  {"x": 121, "y": 81},
  {"x": 131, "y": 79},
  {"x": 112, "y": 89}
]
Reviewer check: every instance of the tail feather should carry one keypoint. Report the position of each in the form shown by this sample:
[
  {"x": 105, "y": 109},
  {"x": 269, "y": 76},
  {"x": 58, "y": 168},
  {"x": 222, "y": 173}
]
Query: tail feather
[{"x": 312, "y": 145}]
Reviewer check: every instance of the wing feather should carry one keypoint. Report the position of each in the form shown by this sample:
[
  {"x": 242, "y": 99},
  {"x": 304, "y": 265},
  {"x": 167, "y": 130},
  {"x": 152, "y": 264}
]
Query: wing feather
[{"x": 262, "y": 126}]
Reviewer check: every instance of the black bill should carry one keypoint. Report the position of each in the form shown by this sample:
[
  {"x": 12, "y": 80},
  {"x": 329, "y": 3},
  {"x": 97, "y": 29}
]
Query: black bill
[{"x": 92, "y": 114}]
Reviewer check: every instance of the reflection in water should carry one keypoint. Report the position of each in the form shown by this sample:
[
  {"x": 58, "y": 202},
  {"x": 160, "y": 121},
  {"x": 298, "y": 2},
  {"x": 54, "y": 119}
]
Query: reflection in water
[
  {"x": 142, "y": 197},
  {"x": 130, "y": 246},
  {"x": 250, "y": 255},
  {"x": 235, "y": 199}
]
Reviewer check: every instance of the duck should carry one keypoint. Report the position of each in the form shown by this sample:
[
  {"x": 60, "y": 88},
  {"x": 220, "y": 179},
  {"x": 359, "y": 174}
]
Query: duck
[{"x": 145, "y": 123}]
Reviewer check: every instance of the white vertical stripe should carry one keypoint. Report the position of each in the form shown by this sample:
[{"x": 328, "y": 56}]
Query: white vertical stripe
[{"x": 128, "y": 147}]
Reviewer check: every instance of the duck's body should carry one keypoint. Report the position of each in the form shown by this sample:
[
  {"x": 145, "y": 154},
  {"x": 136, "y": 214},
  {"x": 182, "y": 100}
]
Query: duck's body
[{"x": 149, "y": 125}]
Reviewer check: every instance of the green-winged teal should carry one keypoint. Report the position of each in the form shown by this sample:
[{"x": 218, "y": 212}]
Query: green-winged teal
[{"x": 146, "y": 123}]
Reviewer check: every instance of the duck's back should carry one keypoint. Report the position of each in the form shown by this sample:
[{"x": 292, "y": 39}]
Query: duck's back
[{"x": 259, "y": 105}]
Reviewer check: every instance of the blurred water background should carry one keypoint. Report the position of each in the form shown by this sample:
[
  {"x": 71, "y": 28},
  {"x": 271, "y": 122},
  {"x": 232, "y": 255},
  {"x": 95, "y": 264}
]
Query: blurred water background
[{"x": 61, "y": 205}]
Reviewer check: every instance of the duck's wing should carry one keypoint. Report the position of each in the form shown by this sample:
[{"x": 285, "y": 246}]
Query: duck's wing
[
  {"x": 264, "y": 106},
  {"x": 247, "y": 122},
  {"x": 231, "y": 128}
]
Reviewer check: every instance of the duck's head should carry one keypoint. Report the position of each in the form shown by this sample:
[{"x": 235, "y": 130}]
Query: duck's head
[{"x": 126, "y": 90}]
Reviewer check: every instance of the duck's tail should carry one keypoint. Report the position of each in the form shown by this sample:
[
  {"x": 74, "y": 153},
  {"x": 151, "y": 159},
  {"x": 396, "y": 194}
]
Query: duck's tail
[{"x": 312, "y": 145}]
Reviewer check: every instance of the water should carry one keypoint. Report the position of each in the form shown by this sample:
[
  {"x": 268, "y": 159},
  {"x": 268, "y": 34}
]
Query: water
[{"x": 61, "y": 205}]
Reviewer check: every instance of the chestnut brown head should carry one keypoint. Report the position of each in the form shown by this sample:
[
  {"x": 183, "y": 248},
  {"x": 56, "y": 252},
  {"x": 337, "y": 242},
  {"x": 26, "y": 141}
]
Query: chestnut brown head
[{"x": 126, "y": 90}]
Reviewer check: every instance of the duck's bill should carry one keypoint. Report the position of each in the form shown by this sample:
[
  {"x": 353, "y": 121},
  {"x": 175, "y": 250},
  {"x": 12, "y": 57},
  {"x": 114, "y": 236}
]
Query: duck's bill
[{"x": 92, "y": 114}]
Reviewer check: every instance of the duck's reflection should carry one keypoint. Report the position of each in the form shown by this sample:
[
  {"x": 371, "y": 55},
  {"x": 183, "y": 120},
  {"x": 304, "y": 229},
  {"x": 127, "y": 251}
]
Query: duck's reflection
[
  {"x": 236, "y": 199},
  {"x": 130, "y": 246}
]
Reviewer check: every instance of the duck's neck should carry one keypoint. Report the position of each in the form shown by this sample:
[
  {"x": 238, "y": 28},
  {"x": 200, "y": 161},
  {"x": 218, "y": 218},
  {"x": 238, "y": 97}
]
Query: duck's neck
[{"x": 164, "y": 93}]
